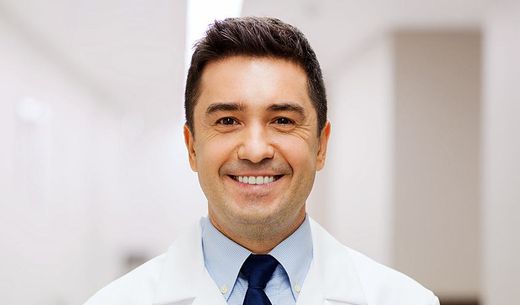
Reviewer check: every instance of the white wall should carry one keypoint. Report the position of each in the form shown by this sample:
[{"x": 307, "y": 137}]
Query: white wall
[
  {"x": 50, "y": 127},
  {"x": 402, "y": 178},
  {"x": 437, "y": 141},
  {"x": 355, "y": 185},
  {"x": 84, "y": 183},
  {"x": 501, "y": 152}
]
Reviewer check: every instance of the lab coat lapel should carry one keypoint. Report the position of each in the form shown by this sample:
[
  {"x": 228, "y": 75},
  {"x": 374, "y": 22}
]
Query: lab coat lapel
[
  {"x": 332, "y": 278},
  {"x": 184, "y": 279}
]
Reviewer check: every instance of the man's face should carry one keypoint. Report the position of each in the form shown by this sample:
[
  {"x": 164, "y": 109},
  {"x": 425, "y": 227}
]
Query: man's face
[{"x": 255, "y": 145}]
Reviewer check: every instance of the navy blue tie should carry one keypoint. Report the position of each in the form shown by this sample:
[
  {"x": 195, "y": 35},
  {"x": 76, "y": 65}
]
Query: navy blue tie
[{"x": 258, "y": 270}]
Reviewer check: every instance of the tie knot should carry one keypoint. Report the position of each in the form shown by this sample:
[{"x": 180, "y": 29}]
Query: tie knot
[{"x": 258, "y": 269}]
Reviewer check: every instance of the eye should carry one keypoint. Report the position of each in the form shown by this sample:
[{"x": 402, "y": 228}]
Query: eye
[
  {"x": 227, "y": 121},
  {"x": 283, "y": 121}
]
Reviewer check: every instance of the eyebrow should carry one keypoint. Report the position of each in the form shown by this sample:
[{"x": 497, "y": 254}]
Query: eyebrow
[
  {"x": 224, "y": 107},
  {"x": 290, "y": 107}
]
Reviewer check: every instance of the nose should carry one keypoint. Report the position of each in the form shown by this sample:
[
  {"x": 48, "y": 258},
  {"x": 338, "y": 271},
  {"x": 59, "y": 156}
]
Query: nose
[{"x": 255, "y": 145}]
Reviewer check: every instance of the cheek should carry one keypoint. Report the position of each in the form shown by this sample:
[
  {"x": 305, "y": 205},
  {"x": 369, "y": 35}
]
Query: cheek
[
  {"x": 297, "y": 152},
  {"x": 213, "y": 153}
]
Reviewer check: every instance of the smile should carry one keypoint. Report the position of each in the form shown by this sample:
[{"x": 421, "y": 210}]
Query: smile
[{"x": 256, "y": 179}]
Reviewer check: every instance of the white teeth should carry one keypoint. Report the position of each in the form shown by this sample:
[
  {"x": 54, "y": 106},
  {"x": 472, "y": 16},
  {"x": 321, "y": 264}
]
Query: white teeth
[{"x": 255, "y": 180}]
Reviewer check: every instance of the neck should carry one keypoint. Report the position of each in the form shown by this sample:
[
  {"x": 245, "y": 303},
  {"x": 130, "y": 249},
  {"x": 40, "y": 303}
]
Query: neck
[{"x": 260, "y": 238}]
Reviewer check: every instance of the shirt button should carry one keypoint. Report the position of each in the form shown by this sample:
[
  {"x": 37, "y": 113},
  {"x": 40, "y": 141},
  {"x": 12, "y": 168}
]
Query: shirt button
[
  {"x": 297, "y": 288},
  {"x": 223, "y": 289}
]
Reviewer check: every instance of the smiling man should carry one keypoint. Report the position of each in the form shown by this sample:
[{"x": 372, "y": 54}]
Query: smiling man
[
  {"x": 256, "y": 146},
  {"x": 256, "y": 133}
]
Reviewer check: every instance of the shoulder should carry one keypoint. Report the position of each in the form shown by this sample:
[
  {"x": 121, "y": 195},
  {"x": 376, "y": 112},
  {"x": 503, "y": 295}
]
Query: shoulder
[
  {"x": 153, "y": 281},
  {"x": 377, "y": 284},
  {"x": 384, "y": 285},
  {"x": 135, "y": 287}
]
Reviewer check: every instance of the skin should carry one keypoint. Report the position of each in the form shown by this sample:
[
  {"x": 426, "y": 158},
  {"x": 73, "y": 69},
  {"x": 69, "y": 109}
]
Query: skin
[{"x": 254, "y": 117}]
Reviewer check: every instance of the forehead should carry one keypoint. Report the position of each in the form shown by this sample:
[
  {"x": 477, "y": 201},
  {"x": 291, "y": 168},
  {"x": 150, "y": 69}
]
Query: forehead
[{"x": 253, "y": 82}]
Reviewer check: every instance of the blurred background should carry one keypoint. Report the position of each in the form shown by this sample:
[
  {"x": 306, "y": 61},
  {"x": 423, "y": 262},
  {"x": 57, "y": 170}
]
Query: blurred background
[{"x": 422, "y": 173}]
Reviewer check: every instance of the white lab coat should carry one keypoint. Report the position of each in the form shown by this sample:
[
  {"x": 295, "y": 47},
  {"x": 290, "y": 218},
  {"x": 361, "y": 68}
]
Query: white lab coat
[{"x": 337, "y": 275}]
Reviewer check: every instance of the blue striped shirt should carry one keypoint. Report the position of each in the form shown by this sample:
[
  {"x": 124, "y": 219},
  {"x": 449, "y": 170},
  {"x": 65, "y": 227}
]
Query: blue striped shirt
[{"x": 223, "y": 259}]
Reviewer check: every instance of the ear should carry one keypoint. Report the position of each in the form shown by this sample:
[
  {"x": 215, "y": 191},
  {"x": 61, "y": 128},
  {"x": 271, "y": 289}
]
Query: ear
[
  {"x": 322, "y": 150},
  {"x": 189, "y": 140}
]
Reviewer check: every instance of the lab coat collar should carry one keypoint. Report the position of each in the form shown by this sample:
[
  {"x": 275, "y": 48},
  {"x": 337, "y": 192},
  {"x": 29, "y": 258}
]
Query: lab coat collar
[
  {"x": 332, "y": 278},
  {"x": 184, "y": 279}
]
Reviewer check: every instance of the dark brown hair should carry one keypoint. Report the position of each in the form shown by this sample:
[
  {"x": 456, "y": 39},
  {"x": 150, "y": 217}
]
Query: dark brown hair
[{"x": 258, "y": 37}]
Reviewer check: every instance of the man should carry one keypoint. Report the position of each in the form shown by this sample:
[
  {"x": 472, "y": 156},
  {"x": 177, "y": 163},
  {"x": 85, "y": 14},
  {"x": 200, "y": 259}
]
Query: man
[{"x": 256, "y": 133}]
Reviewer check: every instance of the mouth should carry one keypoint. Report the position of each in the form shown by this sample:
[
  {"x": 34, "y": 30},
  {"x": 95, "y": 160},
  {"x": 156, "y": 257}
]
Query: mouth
[{"x": 256, "y": 180}]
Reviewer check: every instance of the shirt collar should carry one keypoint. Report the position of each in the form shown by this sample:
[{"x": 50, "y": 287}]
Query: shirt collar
[
  {"x": 223, "y": 257},
  {"x": 295, "y": 255}
]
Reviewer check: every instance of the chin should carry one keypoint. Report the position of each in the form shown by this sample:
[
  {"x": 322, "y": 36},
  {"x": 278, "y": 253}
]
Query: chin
[
  {"x": 255, "y": 217},
  {"x": 273, "y": 215}
]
